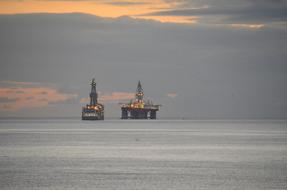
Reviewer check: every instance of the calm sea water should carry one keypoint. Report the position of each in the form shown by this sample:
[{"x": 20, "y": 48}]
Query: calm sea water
[{"x": 143, "y": 155}]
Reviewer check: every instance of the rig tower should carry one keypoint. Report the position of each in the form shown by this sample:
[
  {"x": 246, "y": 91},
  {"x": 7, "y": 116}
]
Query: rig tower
[
  {"x": 94, "y": 110},
  {"x": 138, "y": 108}
]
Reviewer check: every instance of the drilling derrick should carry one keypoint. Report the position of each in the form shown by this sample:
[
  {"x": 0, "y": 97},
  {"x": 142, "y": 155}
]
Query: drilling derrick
[
  {"x": 139, "y": 93},
  {"x": 93, "y": 94},
  {"x": 138, "y": 108},
  {"x": 94, "y": 110}
]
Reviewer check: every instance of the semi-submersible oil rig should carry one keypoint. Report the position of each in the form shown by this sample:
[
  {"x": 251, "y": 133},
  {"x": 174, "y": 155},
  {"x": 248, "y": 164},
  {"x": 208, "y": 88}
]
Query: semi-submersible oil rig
[
  {"x": 138, "y": 108},
  {"x": 94, "y": 110}
]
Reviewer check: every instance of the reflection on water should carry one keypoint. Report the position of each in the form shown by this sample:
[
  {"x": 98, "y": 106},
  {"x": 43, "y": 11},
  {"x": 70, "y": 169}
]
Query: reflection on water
[{"x": 70, "y": 154}]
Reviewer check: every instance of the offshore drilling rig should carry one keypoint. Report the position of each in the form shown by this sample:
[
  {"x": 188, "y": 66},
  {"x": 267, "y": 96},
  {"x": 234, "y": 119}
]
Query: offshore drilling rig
[
  {"x": 138, "y": 108},
  {"x": 94, "y": 110}
]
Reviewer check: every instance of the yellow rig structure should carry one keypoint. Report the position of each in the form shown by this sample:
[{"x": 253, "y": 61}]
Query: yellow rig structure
[{"x": 138, "y": 108}]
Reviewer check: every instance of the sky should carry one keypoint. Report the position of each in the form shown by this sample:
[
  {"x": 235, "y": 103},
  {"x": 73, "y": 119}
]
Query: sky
[{"x": 199, "y": 59}]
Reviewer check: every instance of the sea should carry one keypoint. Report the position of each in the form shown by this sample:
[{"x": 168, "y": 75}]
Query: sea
[{"x": 68, "y": 154}]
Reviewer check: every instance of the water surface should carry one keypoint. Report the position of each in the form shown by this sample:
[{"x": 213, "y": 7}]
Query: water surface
[{"x": 129, "y": 155}]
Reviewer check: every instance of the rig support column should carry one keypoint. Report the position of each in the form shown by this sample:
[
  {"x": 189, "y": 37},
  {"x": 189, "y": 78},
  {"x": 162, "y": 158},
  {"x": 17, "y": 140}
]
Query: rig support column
[
  {"x": 124, "y": 114},
  {"x": 152, "y": 114}
]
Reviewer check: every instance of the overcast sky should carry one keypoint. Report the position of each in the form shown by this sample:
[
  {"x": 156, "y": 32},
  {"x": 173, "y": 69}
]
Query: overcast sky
[{"x": 221, "y": 59}]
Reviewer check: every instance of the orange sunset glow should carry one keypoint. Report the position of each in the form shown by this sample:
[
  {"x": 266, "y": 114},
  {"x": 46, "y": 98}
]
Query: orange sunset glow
[
  {"x": 31, "y": 97},
  {"x": 112, "y": 97},
  {"x": 104, "y": 8}
]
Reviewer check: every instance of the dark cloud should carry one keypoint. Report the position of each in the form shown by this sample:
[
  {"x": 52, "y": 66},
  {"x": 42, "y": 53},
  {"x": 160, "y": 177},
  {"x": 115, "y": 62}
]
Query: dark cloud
[
  {"x": 226, "y": 12},
  {"x": 233, "y": 3},
  {"x": 43, "y": 93},
  {"x": 126, "y": 3},
  {"x": 7, "y": 100},
  {"x": 30, "y": 98},
  {"x": 112, "y": 2},
  {"x": 216, "y": 72}
]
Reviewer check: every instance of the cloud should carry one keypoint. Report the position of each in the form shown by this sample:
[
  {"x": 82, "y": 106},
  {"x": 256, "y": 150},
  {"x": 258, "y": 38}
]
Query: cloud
[
  {"x": 104, "y": 8},
  {"x": 84, "y": 100},
  {"x": 218, "y": 72},
  {"x": 7, "y": 100},
  {"x": 172, "y": 94},
  {"x": 126, "y": 3},
  {"x": 30, "y": 97},
  {"x": 111, "y": 97},
  {"x": 18, "y": 83},
  {"x": 172, "y": 19},
  {"x": 230, "y": 12},
  {"x": 249, "y": 26},
  {"x": 172, "y": 11},
  {"x": 112, "y": 2},
  {"x": 116, "y": 96}
]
